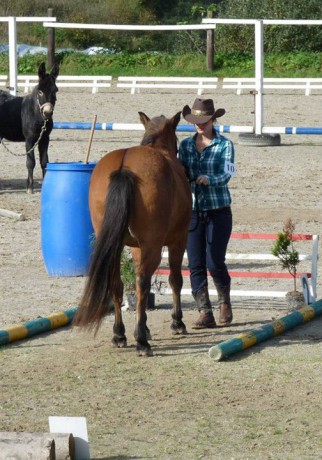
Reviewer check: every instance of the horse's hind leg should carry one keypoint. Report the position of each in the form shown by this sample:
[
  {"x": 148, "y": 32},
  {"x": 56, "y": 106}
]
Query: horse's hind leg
[
  {"x": 119, "y": 338},
  {"x": 146, "y": 262},
  {"x": 176, "y": 281}
]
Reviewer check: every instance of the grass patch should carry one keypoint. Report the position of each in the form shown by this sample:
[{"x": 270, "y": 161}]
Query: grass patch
[{"x": 163, "y": 64}]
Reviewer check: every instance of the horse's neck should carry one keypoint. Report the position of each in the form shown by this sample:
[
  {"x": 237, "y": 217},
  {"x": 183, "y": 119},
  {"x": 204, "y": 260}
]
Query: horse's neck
[
  {"x": 169, "y": 140},
  {"x": 32, "y": 101},
  {"x": 168, "y": 150},
  {"x": 34, "y": 93}
]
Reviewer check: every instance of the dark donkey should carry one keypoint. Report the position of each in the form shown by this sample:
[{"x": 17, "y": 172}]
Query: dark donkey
[{"x": 29, "y": 119}]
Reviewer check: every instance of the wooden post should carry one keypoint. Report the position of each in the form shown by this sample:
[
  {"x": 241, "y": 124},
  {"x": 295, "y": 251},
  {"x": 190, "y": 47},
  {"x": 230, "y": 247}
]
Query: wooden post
[
  {"x": 210, "y": 45},
  {"x": 22, "y": 446},
  {"x": 46, "y": 446},
  {"x": 51, "y": 43}
]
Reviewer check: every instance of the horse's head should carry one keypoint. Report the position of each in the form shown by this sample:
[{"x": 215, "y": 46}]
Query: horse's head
[
  {"x": 46, "y": 90},
  {"x": 160, "y": 131}
]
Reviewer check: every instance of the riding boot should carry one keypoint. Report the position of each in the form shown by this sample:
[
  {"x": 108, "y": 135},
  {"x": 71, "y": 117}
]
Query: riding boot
[
  {"x": 206, "y": 318},
  {"x": 225, "y": 310}
]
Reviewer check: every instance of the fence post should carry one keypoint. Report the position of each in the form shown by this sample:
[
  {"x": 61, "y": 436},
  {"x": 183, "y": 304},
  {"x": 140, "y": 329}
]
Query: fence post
[
  {"x": 210, "y": 45},
  {"x": 51, "y": 43}
]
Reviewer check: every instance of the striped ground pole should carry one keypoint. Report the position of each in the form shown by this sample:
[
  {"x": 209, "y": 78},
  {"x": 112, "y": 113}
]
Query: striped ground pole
[
  {"x": 37, "y": 326},
  {"x": 189, "y": 128},
  {"x": 249, "y": 338}
]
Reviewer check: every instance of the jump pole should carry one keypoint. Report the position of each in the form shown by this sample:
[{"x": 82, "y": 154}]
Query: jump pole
[
  {"x": 37, "y": 326},
  {"x": 249, "y": 338},
  {"x": 308, "y": 130}
]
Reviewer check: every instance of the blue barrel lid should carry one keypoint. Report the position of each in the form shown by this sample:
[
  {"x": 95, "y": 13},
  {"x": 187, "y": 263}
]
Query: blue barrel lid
[{"x": 71, "y": 166}]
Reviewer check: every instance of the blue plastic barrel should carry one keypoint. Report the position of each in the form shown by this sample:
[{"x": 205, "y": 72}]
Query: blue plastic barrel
[{"x": 66, "y": 228}]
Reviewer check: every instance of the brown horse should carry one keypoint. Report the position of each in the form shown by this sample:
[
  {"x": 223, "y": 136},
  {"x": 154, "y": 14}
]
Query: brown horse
[{"x": 139, "y": 197}]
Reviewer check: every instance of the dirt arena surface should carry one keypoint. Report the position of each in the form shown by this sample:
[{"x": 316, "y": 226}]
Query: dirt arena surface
[{"x": 263, "y": 403}]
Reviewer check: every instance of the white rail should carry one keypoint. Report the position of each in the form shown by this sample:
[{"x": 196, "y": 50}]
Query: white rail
[
  {"x": 305, "y": 84},
  {"x": 73, "y": 81},
  {"x": 310, "y": 277},
  {"x": 198, "y": 83}
]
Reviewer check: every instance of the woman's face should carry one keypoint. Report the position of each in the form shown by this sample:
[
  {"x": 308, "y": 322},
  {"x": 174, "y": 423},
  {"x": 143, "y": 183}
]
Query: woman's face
[{"x": 204, "y": 128}]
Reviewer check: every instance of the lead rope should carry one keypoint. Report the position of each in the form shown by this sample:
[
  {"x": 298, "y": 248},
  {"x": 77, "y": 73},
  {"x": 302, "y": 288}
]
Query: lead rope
[
  {"x": 197, "y": 204},
  {"x": 43, "y": 129}
]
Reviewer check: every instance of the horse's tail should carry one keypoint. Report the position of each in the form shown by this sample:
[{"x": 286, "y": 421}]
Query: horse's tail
[{"x": 104, "y": 272}]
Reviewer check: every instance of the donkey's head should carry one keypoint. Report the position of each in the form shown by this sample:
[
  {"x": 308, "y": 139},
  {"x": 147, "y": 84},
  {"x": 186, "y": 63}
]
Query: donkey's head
[{"x": 46, "y": 90}]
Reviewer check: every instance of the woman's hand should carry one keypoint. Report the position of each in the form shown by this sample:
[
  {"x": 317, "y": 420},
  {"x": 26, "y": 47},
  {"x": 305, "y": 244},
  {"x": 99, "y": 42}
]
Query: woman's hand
[{"x": 202, "y": 180}]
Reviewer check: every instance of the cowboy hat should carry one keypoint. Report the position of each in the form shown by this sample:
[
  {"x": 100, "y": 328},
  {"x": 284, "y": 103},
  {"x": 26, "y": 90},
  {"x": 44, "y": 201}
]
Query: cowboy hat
[{"x": 202, "y": 111}]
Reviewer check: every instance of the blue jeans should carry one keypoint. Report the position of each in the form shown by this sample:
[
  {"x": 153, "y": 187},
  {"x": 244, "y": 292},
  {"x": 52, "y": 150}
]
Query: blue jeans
[{"x": 208, "y": 238}]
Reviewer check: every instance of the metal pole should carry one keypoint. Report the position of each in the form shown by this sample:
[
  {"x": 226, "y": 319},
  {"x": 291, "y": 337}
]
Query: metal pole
[
  {"x": 12, "y": 55},
  {"x": 259, "y": 71}
]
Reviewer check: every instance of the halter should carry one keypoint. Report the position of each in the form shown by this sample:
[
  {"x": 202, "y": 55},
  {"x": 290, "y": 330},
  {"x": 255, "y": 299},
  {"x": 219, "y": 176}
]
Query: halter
[{"x": 41, "y": 107}]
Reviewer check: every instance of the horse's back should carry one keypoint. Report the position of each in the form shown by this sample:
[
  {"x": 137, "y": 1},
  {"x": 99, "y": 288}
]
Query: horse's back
[{"x": 162, "y": 195}]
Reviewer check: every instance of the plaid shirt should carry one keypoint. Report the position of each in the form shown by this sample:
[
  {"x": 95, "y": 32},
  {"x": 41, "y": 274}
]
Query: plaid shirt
[{"x": 210, "y": 163}]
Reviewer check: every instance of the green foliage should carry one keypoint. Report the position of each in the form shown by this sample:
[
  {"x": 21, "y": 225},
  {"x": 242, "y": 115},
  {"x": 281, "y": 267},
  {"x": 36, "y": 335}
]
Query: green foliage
[
  {"x": 202, "y": 10},
  {"x": 284, "y": 250},
  {"x": 235, "y": 64},
  {"x": 127, "y": 271},
  {"x": 277, "y": 38},
  {"x": 29, "y": 65}
]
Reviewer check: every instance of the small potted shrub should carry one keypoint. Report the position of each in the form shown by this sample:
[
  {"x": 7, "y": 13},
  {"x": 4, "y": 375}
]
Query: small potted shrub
[
  {"x": 129, "y": 278},
  {"x": 129, "y": 281},
  {"x": 289, "y": 257}
]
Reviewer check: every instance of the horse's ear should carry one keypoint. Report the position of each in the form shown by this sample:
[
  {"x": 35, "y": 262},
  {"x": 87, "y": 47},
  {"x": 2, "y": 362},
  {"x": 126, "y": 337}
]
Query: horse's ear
[
  {"x": 42, "y": 71},
  {"x": 144, "y": 119},
  {"x": 55, "y": 71},
  {"x": 175, "y": 120}
]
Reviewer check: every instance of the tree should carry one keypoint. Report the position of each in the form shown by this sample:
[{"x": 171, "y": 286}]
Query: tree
[{"x": 284, "y": 250}]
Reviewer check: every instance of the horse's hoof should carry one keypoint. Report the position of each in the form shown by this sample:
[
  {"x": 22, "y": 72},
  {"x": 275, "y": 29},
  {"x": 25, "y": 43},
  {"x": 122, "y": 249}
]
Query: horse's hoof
[
  {"x": 178, "y": 329},
  {"x": 119, "y": 342},
  {"x": 30, "y": 191},
  {"x": 144, "y": 350}
]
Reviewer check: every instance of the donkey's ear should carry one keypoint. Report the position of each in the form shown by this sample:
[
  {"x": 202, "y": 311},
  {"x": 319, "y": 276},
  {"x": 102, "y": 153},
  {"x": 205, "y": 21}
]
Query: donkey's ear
[
  {"x": 55, "y": 71},
  {"x": 42, "y": 71},
  {"x": 144, "y": 119}
]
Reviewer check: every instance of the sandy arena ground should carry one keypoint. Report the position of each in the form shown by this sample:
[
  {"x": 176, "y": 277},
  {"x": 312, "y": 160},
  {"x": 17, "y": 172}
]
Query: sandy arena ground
[{"x": 264, "y": 403}]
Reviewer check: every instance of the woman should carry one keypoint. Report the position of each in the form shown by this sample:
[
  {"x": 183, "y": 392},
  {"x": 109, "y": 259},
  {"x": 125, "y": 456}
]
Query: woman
[{"x": 208, "y": 159}]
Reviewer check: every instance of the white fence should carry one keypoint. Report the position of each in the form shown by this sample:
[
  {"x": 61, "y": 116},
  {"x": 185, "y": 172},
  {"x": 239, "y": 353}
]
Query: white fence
[
  {"x": 305, "y": 84},
  {"x": 249, "y": 265},
  {"x": 73, "y": 81},
  {"x": 199, "y": 84},
  {"x": 207, "y": 24}
]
